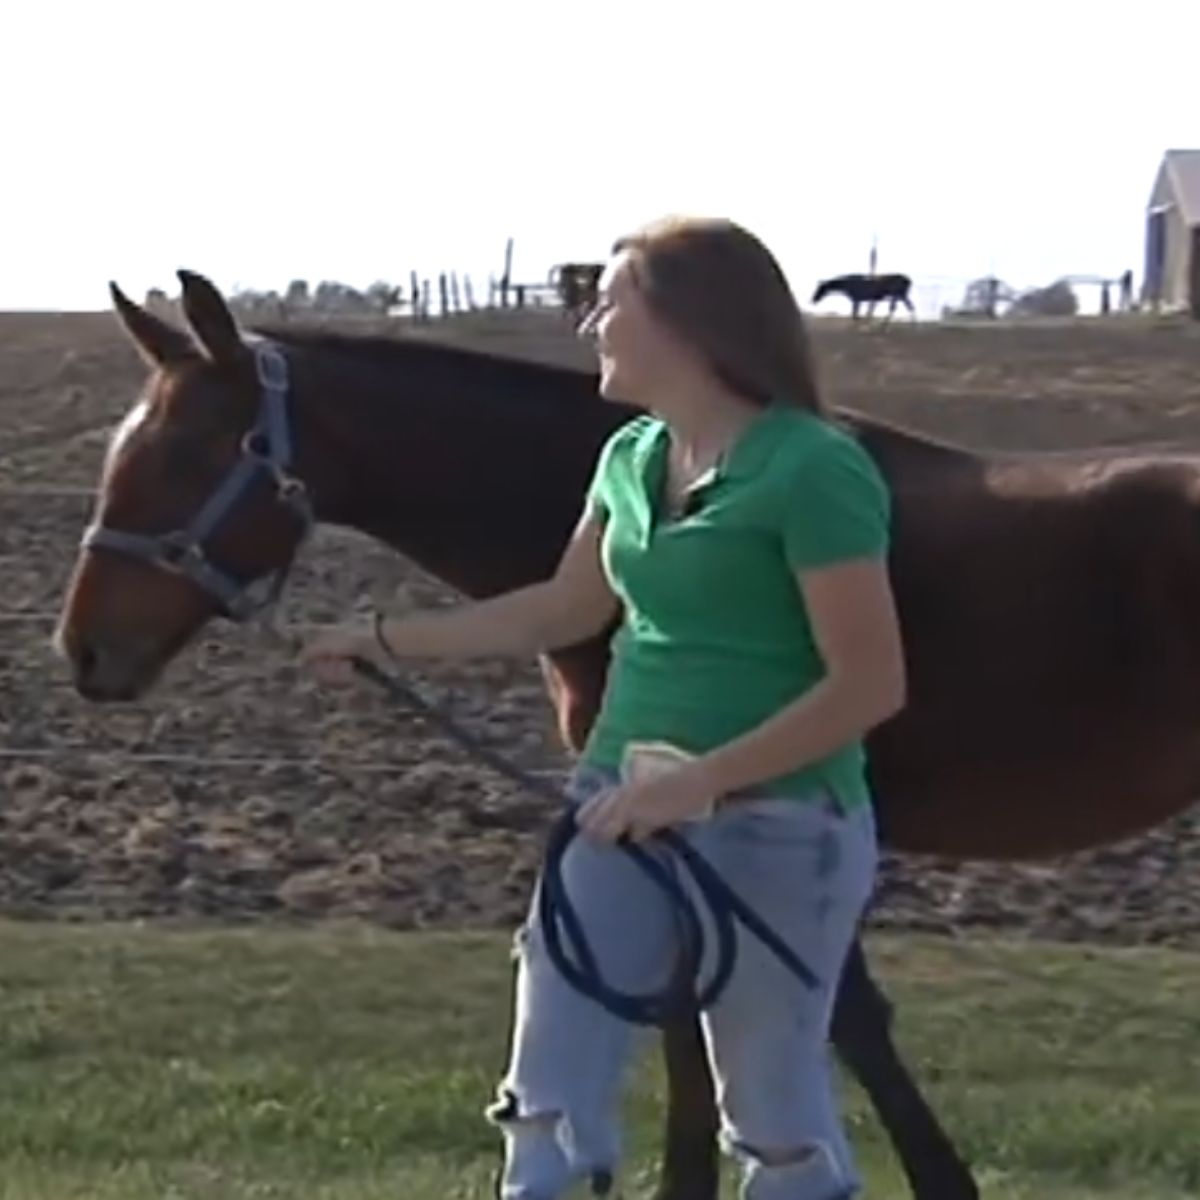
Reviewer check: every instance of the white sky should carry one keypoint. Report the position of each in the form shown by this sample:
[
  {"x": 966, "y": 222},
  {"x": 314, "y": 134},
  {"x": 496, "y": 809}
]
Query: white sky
[{"x": 360, "y": 140}]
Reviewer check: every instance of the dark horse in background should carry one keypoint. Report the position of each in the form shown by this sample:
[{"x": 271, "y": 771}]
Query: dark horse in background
[
  {"x": 1050, "y": 604},
  {"x": 868, "y": 290}
]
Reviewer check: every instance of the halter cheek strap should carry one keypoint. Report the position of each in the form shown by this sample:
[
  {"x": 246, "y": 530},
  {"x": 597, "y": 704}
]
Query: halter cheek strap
[{"x": 266, "y": 450}]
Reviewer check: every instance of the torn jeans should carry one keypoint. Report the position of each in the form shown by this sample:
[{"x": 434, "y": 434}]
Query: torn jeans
[{"x": 808, "y": 870}]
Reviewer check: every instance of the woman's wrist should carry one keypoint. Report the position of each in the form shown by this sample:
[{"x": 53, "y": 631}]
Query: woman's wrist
[{"x": 705, "y": 776}]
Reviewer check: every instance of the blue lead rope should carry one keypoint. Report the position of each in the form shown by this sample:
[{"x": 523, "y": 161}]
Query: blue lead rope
[{"x": 684, "y": 995}]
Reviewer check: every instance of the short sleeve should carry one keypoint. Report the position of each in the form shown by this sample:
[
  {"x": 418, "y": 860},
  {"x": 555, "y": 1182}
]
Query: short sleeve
[
  {"x": 598, "y": 500},
  {"x": 837, "y": 506}
]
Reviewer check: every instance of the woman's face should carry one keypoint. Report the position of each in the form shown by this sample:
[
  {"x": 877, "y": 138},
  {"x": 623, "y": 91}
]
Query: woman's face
[{"x": 639, "y": 355}]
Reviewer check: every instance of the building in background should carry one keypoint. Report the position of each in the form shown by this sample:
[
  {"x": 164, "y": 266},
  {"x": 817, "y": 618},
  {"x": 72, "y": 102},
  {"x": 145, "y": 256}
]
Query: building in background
[{"x": 1172, "y": 275}]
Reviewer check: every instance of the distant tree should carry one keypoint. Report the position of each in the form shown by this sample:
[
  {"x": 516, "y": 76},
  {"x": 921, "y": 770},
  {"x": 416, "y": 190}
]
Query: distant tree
[
  {"x": 332, "y": 296},
  {"x": 383, "y": 296},
  {"x": 159, "y": 303},
  {"x": 1057, "y": 299},
  {"x": 296, "y": 295},
  {"x": 249, "y": 302},
  {"x": 244, "y": 300}
]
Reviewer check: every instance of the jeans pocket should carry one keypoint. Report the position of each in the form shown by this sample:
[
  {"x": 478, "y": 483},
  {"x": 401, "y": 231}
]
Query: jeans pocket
[{"x": 800, "y": 818}]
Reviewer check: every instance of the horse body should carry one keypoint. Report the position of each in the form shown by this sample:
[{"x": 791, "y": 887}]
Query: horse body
[
  {"x": 1051, "y": 615},
  {"x": 1050, "y": 605},
  {"x": 869, "y": 290},
  {"x": 1049, "y": 609}
]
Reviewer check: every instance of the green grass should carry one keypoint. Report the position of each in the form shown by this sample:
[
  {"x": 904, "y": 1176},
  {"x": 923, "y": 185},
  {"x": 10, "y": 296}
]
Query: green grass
[{"x": 345, "y": 1063}]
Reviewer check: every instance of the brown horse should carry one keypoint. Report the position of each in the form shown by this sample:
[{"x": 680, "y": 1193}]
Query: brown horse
[{"x": 1048, "y": 604}]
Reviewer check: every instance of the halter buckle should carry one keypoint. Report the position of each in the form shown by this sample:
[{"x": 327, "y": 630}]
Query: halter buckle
[
  {"x": 178, "y": 547},
  {"x": 289, "y": 488}
]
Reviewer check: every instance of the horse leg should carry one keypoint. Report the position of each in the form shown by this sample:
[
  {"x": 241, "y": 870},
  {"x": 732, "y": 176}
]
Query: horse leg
[
  {"x": 862, "y": 1019},
  {"x": 690, "y": 1162},
  {"x": 861, "y": 1034}
]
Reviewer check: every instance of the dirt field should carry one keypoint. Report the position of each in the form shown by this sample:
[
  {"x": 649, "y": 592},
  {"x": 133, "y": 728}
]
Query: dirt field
[{"x": 240, "y": 791}]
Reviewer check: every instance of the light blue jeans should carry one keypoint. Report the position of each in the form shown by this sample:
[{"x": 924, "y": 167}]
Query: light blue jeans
[{"x": 808, "y": 870}]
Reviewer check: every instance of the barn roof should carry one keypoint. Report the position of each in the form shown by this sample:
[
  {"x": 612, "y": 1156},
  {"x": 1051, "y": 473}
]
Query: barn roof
[{"x": 1183, "y": 171}]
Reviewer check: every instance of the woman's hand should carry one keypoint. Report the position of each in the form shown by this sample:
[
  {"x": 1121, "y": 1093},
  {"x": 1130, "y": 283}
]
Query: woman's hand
[
  {"x": 329, "y": 651},
  {"x": 640, "y": 809}
]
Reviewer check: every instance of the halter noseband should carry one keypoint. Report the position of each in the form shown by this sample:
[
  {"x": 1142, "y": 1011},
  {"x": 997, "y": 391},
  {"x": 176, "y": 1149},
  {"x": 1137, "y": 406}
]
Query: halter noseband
[{"x": 266, "y": 450}]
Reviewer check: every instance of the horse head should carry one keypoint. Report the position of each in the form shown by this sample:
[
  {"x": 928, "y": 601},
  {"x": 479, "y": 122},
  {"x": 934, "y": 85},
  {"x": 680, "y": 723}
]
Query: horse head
[
  {"x": 824, "y": 288},
  {"x": 208, "y": 437}
]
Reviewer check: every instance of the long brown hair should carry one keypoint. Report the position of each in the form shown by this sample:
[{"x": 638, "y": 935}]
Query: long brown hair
[{"x": 717, "y": 286}]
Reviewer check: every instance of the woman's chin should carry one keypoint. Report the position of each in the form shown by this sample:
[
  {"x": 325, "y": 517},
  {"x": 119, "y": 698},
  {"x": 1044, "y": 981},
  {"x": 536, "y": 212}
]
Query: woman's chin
[{"x": 611, "y": 387}]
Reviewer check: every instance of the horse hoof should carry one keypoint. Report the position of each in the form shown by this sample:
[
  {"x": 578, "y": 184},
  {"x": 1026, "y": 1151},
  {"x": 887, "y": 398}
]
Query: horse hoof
[{"x": 705, "y": 1191}]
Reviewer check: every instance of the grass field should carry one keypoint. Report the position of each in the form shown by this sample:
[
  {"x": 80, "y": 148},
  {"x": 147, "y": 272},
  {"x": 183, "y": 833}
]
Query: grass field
[{"x": 348, "y": 1063}]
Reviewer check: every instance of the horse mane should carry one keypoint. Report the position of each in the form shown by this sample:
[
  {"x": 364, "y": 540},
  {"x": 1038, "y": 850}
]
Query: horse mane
[
  {"x": 554, "y": 385},
  {"x": 386, "y": 353},
  {"x": 874, "y": 430}
]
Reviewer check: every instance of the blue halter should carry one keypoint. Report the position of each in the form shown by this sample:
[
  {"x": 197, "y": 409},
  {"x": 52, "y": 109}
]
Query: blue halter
[{"x": 266, "y": 450}]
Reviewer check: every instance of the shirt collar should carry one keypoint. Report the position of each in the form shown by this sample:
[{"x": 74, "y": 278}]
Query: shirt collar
[{"x": 743, "y": 460}]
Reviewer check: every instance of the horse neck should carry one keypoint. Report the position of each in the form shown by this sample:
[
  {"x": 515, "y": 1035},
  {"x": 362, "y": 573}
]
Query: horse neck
[{"x": 459, "y": 464}]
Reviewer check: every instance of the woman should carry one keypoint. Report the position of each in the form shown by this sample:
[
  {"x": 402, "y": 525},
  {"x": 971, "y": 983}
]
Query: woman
[{"x": 744, "y": 536}]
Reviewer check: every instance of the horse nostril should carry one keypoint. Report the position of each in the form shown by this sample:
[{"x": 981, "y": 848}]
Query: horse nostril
[{"x": 104, "y": 671}]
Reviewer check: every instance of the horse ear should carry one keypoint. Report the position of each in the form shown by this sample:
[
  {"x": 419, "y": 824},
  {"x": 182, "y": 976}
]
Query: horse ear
[
  {"x": 210, "y": 319},
  {"x": 158, "y": 342}
]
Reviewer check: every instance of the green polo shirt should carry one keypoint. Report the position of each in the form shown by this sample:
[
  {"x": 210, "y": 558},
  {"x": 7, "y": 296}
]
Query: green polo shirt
[{"x": 715, "y": 636}]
